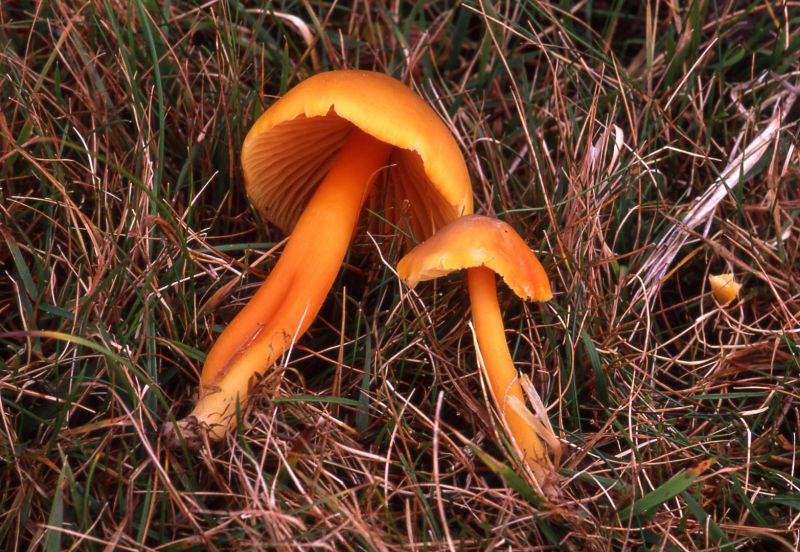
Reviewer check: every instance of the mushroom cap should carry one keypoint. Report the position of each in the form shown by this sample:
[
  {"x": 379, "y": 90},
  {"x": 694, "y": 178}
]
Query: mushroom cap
[
  {"x": 291, "y": 146},
  {"x": 474, "y": 241}
]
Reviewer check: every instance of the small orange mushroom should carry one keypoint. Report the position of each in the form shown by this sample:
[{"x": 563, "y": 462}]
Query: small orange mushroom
[
  {"x": 485, "y": 246},
  {"x": 309, "y": 163}
]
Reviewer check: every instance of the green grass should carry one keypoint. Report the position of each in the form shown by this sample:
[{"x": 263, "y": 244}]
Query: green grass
[{"x": 128, "y": 243}]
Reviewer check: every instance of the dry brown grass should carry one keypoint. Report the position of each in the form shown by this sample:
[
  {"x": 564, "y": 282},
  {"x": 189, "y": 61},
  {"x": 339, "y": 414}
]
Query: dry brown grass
[{"x": 128, "y": 243}]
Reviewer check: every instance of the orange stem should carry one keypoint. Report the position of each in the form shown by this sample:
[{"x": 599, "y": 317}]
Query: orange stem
[
  {"x": 503, "y": 378},
  {"x": 289, "y": 299}
]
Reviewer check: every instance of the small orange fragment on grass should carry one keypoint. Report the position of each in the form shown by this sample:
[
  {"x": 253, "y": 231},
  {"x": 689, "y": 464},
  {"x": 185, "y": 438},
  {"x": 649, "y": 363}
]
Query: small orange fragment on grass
[{"x": 724, "y": 287}]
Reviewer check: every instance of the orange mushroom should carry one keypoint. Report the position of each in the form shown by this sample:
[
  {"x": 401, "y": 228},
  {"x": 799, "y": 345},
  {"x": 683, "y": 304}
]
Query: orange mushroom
[
  {"x": 309, "y": 163},
  {"x": 483, "y": 246}
]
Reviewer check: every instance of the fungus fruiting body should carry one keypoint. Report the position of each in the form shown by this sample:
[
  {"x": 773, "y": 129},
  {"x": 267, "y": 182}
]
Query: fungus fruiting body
[
  {"x": 309, "y": 163},
  {"x": 485, "y": 246}
]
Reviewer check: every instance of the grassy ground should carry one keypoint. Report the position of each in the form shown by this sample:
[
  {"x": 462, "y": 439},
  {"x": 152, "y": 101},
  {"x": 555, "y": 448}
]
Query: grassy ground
[{"x": 127, "y": 243}]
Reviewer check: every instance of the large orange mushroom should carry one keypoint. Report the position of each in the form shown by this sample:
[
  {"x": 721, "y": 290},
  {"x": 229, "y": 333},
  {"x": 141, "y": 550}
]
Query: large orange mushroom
[{"x": 309, "y": 163}]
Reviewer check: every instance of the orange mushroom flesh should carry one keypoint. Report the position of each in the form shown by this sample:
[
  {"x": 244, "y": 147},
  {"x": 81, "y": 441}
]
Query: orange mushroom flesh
[
  {"x": 310, "y": 162},
  {"x": 724, "y": 287},
  {"x": 291, "y": 296},
  {"x": 485, "y": 246}
]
